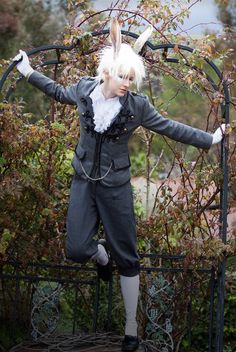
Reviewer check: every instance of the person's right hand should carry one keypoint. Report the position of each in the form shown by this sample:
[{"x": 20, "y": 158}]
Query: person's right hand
[{"x": 24, "y": 65}]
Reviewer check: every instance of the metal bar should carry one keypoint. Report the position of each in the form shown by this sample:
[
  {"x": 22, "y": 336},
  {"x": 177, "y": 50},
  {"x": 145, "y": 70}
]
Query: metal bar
[
  {"x": 40, "y": 278},
  {"x": 86, "y": 268},
  {"x": 109, "y": 310},
  {"x": 75, "y": 309},
  {"x": 223, "y": 234},
  {"x": 17, "y": 299},
  {"x": 190, "y": 315},
  {"x": 162, "y": 256},
  {"x": 224, "y": 189},
  {"x": 170, "y": 257},
  {"x": 96, "y": 305},
  {"x": 220, "y": 308},
  {"x": 53, "y": 266},
  {"x": 211, "y": 315},
  {"x": 175, "y": 270}
]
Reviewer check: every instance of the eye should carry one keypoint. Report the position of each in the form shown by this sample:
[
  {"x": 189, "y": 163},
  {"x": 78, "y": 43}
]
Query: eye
[{"x": 131, "y": 79}]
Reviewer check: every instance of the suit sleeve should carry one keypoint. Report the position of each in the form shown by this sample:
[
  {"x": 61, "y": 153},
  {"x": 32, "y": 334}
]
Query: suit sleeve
[
  {"x": 177, "y": 131},
  {"x": 54, "y": 90}
]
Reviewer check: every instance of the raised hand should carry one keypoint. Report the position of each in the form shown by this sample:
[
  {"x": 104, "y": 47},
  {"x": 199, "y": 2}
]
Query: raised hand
[{"x": 24, "y": 65}]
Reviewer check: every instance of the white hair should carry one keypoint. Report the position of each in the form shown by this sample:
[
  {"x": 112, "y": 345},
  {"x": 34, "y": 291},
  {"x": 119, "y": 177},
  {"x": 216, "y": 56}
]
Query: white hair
[{"x": 126, "y": 61}]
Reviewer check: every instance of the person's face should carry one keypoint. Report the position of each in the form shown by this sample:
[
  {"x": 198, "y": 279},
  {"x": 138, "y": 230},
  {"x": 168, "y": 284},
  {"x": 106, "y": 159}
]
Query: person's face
[{"x": 118, "y": 86}]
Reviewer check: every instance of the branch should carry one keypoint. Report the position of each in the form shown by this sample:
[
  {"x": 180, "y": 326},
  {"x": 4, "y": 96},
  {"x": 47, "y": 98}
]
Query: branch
[{"x": 212, "y": 198}]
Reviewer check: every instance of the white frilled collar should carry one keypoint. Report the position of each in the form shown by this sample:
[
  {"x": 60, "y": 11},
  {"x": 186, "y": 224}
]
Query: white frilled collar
[{"x": 105, "y": 110}]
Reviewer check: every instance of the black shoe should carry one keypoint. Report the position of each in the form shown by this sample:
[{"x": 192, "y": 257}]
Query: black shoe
[
  {"x": 130, "y": 343},
  {"x": 105, "y": 271}
]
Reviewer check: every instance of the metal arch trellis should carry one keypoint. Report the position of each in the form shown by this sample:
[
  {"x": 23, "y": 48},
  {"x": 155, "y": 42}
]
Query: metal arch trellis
[{"x": 224, "y": 148}]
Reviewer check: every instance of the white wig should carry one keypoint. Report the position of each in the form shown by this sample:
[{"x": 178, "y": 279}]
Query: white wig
[
  {"x": 123, "y": 63},
  {"x": 120, "y": 59}
]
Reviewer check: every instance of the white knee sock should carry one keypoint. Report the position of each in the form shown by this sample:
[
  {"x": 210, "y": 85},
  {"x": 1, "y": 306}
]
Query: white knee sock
[
  {"x": 101, "y": 255},
  {"x": 130, "y": 292}
]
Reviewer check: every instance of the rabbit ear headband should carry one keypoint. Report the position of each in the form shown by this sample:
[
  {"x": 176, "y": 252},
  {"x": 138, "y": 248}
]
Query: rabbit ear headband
[{"x": 115, "y": 35}]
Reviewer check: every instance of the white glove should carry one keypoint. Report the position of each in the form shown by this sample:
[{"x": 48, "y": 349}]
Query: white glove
[
  {"x": 24, "y": 65},
  {"x": 219, "y": 134}
]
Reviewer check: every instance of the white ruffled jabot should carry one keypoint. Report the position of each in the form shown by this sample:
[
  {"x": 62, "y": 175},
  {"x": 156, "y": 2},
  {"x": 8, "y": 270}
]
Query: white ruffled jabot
[{"x": 105, "y": 110}]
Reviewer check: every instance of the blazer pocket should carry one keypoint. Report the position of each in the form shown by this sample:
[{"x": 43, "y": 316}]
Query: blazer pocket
[
  {"x": 80, "y": 152},
  {"x": 121, "y": 162}
]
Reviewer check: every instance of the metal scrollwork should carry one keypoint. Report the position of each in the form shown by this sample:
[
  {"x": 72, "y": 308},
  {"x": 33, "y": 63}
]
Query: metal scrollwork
[
  {"x": 159, "y": 311},
  {"x": 45, "y": 309}
]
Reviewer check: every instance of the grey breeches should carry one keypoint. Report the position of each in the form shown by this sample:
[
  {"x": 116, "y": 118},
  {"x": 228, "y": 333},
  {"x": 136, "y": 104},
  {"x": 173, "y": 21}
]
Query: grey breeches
[{"x": 90, "y": 203}]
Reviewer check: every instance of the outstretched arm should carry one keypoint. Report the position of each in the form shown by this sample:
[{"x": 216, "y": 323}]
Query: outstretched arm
[
  {"x": 180, "y": 132},
  {"x": 48, "y": 86}
]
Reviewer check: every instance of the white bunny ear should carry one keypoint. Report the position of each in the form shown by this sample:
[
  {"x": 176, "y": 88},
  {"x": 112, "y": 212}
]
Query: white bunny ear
[
  {"x": 142, "y": 39},
  {"x": 115, "y": 35}
]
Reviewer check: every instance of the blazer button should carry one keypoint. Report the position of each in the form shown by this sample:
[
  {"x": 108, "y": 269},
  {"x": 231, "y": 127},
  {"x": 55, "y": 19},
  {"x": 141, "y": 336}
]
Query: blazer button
[
  {"x": 125, "y": 129},
  {"x": 117, "y": 137},
  {"x": 132, "y": 117}
]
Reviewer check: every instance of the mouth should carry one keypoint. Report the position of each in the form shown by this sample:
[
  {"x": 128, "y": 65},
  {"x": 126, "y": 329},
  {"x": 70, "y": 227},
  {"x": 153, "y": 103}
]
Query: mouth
[{"x": 123, "y": 90}]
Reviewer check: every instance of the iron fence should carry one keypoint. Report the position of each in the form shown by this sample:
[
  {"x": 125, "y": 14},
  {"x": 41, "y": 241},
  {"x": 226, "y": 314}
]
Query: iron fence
[{"x": 177, "y": 305}]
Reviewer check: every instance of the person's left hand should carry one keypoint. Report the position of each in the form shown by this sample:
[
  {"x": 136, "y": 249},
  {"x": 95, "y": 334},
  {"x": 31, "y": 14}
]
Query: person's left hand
[{"x": 219, "y": 134}]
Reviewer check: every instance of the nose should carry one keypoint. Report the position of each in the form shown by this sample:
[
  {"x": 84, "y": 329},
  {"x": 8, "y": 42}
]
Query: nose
[{"x": 126, "y": 82}]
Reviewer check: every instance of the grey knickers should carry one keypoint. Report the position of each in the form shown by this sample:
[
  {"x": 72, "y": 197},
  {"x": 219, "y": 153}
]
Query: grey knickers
[{"x": 90, "y": 203}]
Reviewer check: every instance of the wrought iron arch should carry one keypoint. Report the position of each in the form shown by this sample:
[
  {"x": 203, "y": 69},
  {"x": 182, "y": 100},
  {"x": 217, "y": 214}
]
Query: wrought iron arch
[{"x": 224, "y": 148}]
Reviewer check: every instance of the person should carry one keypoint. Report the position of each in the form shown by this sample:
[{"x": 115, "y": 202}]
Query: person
[{"x": 101, "y": 190}]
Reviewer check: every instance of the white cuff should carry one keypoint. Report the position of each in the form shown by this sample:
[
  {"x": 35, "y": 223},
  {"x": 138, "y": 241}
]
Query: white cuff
[{"x": 29, "y": 73}]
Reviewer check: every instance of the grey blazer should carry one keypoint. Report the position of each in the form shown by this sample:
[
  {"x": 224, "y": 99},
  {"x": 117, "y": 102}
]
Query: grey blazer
[{"x": 105, "y": 156}]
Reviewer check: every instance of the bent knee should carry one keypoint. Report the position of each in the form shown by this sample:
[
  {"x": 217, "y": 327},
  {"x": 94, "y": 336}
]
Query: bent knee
[{"x": 78, "y": 254}]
